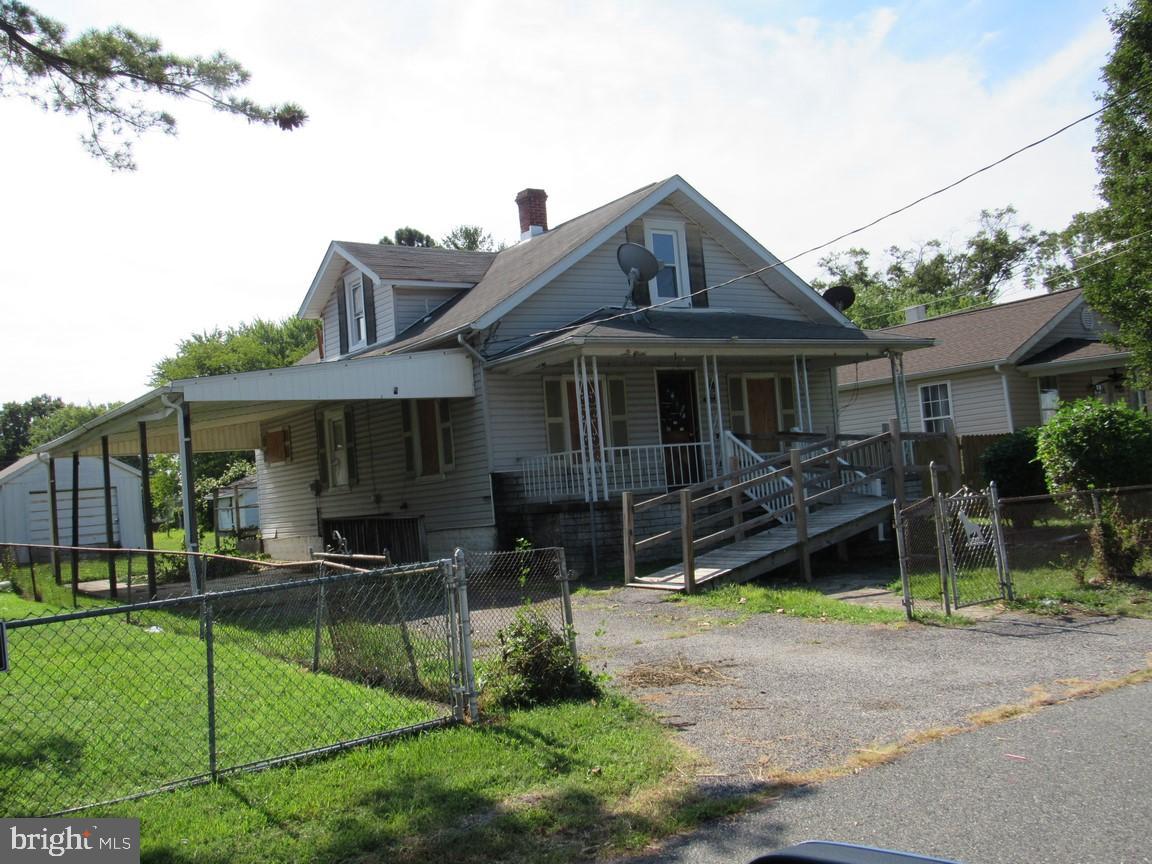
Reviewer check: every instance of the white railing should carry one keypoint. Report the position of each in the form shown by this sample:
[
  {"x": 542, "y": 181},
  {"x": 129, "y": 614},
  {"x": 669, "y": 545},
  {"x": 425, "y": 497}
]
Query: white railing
[
  {"x": 772, "y": 494},
  {"x": 647, "y": 468}
]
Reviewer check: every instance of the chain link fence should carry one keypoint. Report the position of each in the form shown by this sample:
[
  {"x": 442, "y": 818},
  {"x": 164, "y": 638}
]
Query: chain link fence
[
  {"x": 952, "y": 550},
  {"x": 114, "y": 700},
  {"x": 108, "y": 703}
]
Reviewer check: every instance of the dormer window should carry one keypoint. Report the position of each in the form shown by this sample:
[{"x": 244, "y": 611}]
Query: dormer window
[
  {"x": 666, "y": 240},
  {"x": 357, "y": 322}
]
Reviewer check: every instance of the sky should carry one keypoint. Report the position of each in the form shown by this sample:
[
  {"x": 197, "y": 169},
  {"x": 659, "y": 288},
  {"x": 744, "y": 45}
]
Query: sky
[{"x": 799, "y": 119}]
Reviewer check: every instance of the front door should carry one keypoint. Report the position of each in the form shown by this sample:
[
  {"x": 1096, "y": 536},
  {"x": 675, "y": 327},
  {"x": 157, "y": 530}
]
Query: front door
[
  {"x": 679, "y": 430},
  {"x": 763, "y": 415}
]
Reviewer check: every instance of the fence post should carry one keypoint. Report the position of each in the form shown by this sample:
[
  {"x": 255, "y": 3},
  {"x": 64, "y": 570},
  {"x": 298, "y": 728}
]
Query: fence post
[
  {"x": 318, "y": 628},
  {"x": 1001, "y": 546},
  {"x": 460, "y": 567},
  {"x": 902, "y": 555},
  {"x": 942, "y": 541},
  {"x": 448, "y": 573},
  {"x": 897, "y": 447},
  {"x": 687, "y": 530},
  {"x": 566, "y": 598},
  {"x": 32, "y": 572},
  {"x": 629, "y": 538},
  {"x": 801, "y": 521},
  {"x": 206, "y": 618}
]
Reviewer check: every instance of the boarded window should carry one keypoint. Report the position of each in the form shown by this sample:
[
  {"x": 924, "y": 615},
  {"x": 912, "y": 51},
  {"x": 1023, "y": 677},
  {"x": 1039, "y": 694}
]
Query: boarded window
[
  {"x": 429, "y": 445},
  {"x": 278, "y": 445}
]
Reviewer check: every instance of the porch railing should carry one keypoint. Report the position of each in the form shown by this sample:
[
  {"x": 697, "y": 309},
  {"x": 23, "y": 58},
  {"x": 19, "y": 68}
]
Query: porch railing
[
  {"x": 726, "y": 509},
  {"x": 646, "y": 468}
]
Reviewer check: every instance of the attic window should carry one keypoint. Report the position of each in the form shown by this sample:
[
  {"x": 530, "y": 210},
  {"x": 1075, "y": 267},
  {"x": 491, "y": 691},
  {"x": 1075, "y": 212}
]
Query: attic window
[
  {"x": 357, "y": 322},
  {"x": 666, "y": 240}
]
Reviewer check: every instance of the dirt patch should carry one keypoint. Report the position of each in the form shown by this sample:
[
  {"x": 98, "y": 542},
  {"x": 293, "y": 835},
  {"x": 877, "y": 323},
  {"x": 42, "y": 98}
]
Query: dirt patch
[{"x": 678, "y": 670}]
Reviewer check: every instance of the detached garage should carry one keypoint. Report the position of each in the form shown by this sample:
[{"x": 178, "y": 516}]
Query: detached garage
[{"x": 24, "y": 504}]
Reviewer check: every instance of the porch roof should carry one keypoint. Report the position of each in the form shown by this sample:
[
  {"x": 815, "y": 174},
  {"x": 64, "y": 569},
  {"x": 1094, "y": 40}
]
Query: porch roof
[
  {"x": 691, "y": 332},
  {"x": 227, "y": 410}
]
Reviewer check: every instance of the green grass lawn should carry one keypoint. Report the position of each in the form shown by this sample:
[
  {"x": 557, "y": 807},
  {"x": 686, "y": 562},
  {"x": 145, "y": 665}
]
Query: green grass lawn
[
  {"x": 100, "y": 708},
  {"x": 548, "y": 785},
  {"x": 799, "y": 602}
]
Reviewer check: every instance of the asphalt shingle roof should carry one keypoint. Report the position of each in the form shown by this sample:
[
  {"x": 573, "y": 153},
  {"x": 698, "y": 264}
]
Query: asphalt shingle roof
[
  {"x": 990, "y": 334},
  {"x": 419, "y": 263},
  {"x": 1074, "y": 350}
]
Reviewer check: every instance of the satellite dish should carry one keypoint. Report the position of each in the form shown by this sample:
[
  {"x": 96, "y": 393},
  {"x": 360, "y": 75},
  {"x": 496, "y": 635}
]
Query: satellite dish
[
  {"x": 840, "y": 296},
  {"x": 638, "y": 264}
]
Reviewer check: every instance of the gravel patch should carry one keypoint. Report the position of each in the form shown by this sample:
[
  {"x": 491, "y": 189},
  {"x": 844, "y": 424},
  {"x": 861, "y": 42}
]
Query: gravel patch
[{"x": 794, "y": 694}]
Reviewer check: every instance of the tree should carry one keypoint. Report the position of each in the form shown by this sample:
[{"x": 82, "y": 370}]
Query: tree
[
  {"x": 63, "y": 420},
  {"x": 470, "y": 238},
  {"x": 408, "y": 236},
  {"x": 1117, "y": 281},
  {"x": 943, "y": 278},
  {"x": 104, "y": 75},
  {"x": 16, "y": 419},
  {"x": 258, "y": 344}
]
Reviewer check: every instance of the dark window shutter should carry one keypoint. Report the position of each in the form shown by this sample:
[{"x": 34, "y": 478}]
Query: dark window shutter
[
  {"x": 697, "y": 281},
  {"x": 350, "y": 446},
  {"x": 321, "y": 451},
  {"x": 342, "y": 312},
  {"x": 634, "y": 233},
  {"x": 369, "y": 311}
]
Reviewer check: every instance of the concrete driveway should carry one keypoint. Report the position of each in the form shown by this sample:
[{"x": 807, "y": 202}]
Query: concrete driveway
[{"x": 772, "y": 694}]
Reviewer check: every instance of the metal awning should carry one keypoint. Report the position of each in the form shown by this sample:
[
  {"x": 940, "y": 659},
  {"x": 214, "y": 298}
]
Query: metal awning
[{"x": 227, "y": 410}]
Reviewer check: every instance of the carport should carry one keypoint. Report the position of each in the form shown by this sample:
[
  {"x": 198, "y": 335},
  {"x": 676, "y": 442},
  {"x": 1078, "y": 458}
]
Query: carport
[{"x": 225, "y": 412}]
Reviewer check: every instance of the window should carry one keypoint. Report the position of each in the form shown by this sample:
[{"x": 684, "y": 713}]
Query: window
[
  {"x": 426, "y": 430},
  {"x": 666, "y": 240},
  {"x": 561, "y": 414},
  {"x": 1049, "y": 398},
  {"x": 336, "y": 447},
  {"x": 277, "y": 445},
  {"x": 357, "y": 323},
  {"x": 935, "y": 406}
]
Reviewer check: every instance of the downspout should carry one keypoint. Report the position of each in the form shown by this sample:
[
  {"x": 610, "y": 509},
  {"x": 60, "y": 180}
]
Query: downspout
[
  {"x": 1007, "y": 398},
  {"x": 482, "y": 362}
]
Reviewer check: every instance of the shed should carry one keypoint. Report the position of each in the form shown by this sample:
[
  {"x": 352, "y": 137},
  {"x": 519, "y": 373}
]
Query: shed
[{"x": 24, "y": 507}]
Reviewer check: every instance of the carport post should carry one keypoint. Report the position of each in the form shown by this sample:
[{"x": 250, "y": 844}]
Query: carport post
[
  {"x": 146, "y": 506},
  {"x": 75, "y": 524},
  {"x": 187, "y": 491},
  {"x": 54, "y": 518},
  {"x": 109, "y": 538}
]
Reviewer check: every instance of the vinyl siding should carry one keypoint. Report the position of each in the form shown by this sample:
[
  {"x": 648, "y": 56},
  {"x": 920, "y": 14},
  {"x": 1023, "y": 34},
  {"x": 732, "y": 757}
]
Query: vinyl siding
[
  {"x": 1025, "y": 396},
  {"x": 977, "y": 404},
  {"x": 385, "y": 313},
  {"x": 331, "y": 328},
  {"x": 459, "y": 498},
  {"x": 1070, "y": 327}
]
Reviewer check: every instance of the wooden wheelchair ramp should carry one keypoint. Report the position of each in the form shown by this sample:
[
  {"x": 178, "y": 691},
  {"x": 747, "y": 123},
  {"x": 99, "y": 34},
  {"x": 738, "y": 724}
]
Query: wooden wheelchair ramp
[{"x": 776, "y": 547}]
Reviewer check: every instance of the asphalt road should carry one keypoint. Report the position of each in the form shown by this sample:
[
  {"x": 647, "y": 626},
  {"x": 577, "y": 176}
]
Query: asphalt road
[{"x": 1071, "y": 784}]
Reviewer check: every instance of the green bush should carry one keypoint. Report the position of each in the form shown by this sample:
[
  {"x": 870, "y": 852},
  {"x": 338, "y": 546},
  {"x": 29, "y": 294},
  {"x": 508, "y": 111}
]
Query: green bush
[
  {"x": 1013, "y": 465},
  {"x": 536, "y": 666},
  {"x": 1091, "y": 445}
]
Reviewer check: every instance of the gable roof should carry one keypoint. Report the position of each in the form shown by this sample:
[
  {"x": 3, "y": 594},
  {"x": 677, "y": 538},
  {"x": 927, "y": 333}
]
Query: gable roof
[
  {"x": 25, "y": 463},
  {"x": 518, "y": 271},
  {"x": 1076, "y": 351},
  {"x": 448, "y": 267},
  {"x": 970, "y": 338}
]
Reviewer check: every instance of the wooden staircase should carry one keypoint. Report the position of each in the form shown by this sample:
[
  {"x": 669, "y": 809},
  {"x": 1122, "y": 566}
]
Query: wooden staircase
[{"x": 741, "y": 525}]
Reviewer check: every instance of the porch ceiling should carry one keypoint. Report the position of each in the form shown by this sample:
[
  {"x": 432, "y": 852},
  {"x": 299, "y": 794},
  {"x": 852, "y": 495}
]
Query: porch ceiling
[{"x": 228, "y": 410}]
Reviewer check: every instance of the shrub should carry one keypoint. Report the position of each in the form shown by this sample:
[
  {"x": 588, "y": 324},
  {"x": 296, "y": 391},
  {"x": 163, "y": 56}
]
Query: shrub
[
  {"x": 1118, "y": 543},
  {"x": 1091, "y": 445},
  {"x": 536, "y": 666},
  {"x": 1012, "y": 464}
]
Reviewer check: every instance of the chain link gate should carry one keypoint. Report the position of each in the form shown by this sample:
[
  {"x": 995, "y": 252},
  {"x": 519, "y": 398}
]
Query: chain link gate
[{"x": 952, "y": 549}]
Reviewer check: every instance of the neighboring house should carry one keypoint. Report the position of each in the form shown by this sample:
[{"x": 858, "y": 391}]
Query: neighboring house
[
  {"x": 468, "y": 398},
  {"x": 993, "y": 370},
  {"x": 25, "y": 509}
]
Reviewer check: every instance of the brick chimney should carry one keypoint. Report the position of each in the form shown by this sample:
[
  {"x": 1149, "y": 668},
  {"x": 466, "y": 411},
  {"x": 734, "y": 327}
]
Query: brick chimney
[{"x": 533, "y": 212}]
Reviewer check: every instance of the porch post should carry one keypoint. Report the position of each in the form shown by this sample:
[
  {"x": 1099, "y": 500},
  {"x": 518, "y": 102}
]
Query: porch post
[
  {"x": 54, "y": 518},
  {"x": 187, "y": 491},
  {"x": 894, "y": 431},
  {"x": 600, "y": 425},
  {"x": 109, "y": 537},
  {"x": 899, "y": 387},
  {"x": 720, "y": 417},
  {"x": 146, "y": 506},
  {"x": 75, "y": 522},
  {"x": 708, "y": 404},
  {"x": 584, "y": 458}
]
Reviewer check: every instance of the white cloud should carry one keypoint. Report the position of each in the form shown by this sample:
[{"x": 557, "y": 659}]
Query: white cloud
[{"x": 437, "y": 114}]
